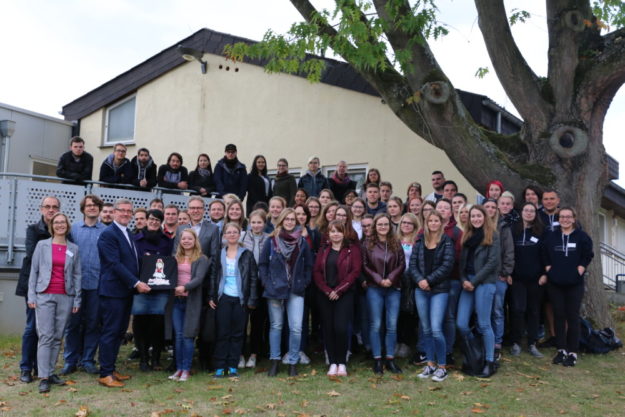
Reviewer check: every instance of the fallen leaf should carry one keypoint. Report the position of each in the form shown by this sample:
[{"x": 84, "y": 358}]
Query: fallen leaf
[
  {"x": 305, "y": 403},
  {"x": 70, "y": 382},
  {"x": 212, "y": 387},
  {"x": 239, "y": 411},
  {"x": 270, "y": 406},
  {"x": 59, "y": 402},
  {"x": 155, "y": 414},
  {"x": 72, "y": 389},
  {"x": 405, "y": 397},
  {"x": 435, "y": 388},
  {"x": 313, "y": 372},
  {"x": 480, "y": 405},
  {"x": 22, "y": 393},
  {"x": 477, "y": 410},
  {"x": 5, "y": 408},
  {"x": 333, "y": 393},
  {"x": 83, "y": 411},
  {"x": 126, "y": 390},
  {"x": 458, "y": 376},
  {"x": 484, "y": 385},
  {"x": 226, "y": 411},
  {"x": 226, "y": 397},
  {"x": 178, "y": 390},
  {"x": 397, "y": 377}
]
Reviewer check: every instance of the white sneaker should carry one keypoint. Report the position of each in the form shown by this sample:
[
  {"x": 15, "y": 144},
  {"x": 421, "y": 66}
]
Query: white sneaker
[
  {"x": 285, "y": 359},
  {"x": 439, "y": 375},
  {"x": 332, "y": 370},
  {"x": 241, "y": 362},
  {"x": 184, "y": 376},
  {"x": 303, "y": 358},
  {"x": 251, "y": 362},
  {"x": 175, "y": 376},
  {"x": 427, "y": 372},
  {"x": 342, "y": 370}
]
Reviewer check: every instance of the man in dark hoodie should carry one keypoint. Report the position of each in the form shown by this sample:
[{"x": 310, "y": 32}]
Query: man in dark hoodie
[
  {"x": 116, "y": 167},
  {"x": 76, "y": 164},
  {"x": 143, "y": 170},
  {"x": 230, "y": 174}
]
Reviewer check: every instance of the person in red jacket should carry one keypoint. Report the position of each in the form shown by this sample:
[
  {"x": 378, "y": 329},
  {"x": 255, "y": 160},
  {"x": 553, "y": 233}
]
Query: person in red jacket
[{"x": 336, "y": 269}]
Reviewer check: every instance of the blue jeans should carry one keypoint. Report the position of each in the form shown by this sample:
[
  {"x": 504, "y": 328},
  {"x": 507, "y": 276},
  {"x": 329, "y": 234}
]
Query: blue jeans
[
  {"x": 432, "y": 309},
  {"x": 498, "y": 316},
  {"x": 83, "y": 332},
  {"x": 482, "y": 299},
  {"x": 295, "y": 313},
  {"x": 379, "y": 300},
  {"x": 183, "y": 345},
  {"x": 29, "y": 342},
  {"x": 450, "y": 318}
]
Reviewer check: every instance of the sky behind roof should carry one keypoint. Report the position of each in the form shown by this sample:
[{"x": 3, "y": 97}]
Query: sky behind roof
[{"x": 55, "y": 52}]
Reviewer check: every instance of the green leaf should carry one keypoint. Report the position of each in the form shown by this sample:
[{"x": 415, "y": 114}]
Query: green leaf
[
  {"x": 518, "y": 16},
  {"x": 482, "y": 72}
]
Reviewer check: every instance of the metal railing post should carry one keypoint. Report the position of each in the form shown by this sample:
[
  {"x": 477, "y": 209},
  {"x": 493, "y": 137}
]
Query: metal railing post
[{"x": 12, "y": 213}]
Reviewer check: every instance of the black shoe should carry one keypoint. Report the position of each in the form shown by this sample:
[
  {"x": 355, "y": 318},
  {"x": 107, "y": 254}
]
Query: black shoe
[
  {"x": 450, "y": 360},
  {"x": 54, "y": 379},
  {"x": 293, "y": 370},
  {"x": 559, "y": 358},
  {"x": 134, "y": 354},
  {"x": 418, "y": 358},
  {"x": 551, "y": 342},
  {"x": 68, "y": 369},
  {"x": 570, "y": 360},
  {"x": 378, "y": 369},
  {"x": 497, "y": 354},
  {"x": 391, "y": 366},
  {"x": 44, "y": 386},
  {"x": 273, "y": 368},
  {"x": 26, "y": 377},
  {"x": 489, "y": 369},
  {"x": 90, "y": 368}
]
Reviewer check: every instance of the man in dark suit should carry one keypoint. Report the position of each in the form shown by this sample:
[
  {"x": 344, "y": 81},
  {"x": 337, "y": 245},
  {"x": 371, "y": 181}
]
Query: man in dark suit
[
  {"x": 210, "y": 241},
  {"x": 119, "y": 277}
]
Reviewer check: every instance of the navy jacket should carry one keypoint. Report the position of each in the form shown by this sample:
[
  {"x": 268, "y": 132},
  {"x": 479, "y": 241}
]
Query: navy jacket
[
  {"x": 564, "y": 254},
  {"x": 149, "y": 173},
  {"x": 529, "y": 262},
  {"x": 272, "y": 271},
  {"x": 164, "y": 246},
  {"x": 119, "y": 271},
  {"x": 313, "y": 185},
  {"x": 162, "y": 170},
  {"x": 123, "y": 174},
  {"x": 231, "y": 180}
]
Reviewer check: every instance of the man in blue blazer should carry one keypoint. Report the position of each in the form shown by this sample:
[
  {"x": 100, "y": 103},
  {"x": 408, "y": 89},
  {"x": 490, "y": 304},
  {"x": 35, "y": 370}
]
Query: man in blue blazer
[{"x": 119, "y": 277}]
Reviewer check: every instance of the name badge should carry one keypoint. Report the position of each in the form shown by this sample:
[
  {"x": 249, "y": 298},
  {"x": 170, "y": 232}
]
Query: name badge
[
  {"x": 534, "y": 239},
  {"x": 555, "y": 224},
  {"x": 69, "y": 253},
  {"x": 571, "y": 245}
]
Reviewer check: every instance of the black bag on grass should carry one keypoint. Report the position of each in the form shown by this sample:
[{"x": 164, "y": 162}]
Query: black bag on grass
[
  {"x": 597, "y": 341},
  {"x": 472, "y": 348}
]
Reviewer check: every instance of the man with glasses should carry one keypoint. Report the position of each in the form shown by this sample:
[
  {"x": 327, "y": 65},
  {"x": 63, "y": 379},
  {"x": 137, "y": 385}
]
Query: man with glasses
[
  {"x": 210, "y": 241},
  {"x": 119, "y": 278},
  {"x": 116, "y": 168},
  {"x": 49, "y": 206},
  {"x": 83, "y": 330}
]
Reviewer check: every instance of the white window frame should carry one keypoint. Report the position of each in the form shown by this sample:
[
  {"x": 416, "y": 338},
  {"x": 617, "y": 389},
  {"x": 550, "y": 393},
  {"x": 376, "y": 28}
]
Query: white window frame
[
  {"x": 296, "y": 172},
  {"x": 105, "y": 140},
  {"x": 328, "y": 169}
]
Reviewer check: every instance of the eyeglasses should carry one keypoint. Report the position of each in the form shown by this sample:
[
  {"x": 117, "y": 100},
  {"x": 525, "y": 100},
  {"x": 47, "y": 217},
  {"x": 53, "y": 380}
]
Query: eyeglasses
[
  {"x": 154, "y": 219},
  {"x": 90, "y": 205},
  {"x": 407, "y": 223},
  {"x": 382, "y": 225},
  {"x": 50, "y": 207},
  {"x": 60, "y": 223},
  {"x": 232, "y": 232},
  {"x": 566, "y": 217},
  {"x": 124, "y": 211},
  {"x": 196, "y": 208},
  {"x": 120, "y": 150}
]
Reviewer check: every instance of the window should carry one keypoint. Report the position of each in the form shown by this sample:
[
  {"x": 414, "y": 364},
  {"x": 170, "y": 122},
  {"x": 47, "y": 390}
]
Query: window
[
  {"x": 120, "y": 122},
  {"x": 357, "y": 172}
]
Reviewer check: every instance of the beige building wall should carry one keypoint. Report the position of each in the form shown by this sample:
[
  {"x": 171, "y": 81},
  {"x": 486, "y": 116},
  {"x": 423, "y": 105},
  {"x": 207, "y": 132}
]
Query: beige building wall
[{"x": 277, "y": 115}]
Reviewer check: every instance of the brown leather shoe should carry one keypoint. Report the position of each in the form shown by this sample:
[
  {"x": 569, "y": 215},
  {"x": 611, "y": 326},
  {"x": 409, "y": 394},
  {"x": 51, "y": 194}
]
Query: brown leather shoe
[
  {"x": 110, "y": 382},
  {"x": 121, "y": 377}
]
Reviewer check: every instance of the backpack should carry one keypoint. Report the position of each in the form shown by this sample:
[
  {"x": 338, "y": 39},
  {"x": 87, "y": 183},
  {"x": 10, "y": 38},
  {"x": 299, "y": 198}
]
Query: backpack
[
  {"x": 472, "y": 347},
  {"x": 597, "y": 341}
]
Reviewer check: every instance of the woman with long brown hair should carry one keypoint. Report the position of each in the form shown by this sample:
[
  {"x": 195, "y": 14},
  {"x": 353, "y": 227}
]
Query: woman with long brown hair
[
  {"x": 479, "y": 267},
  {"x": 383, "y": 265}
]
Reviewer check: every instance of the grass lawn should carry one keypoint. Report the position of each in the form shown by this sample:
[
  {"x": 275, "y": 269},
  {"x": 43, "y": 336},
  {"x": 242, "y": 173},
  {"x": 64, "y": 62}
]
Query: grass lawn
[{"x": 524, "y": 386}]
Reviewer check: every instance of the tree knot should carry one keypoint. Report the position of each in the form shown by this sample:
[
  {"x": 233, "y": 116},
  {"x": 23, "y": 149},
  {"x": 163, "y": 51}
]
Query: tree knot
[
  {"x": 568, "y": 141},
  {"x": 436, "y": 92}
]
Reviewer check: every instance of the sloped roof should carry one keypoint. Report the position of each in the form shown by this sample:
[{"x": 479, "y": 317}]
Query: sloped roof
[{"x": 337, "y": 73}]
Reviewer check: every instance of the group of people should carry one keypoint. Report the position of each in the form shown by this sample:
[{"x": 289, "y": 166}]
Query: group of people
[{"x": 312, "y": 261}]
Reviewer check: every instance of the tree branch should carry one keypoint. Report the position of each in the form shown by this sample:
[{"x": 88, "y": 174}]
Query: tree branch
[
  {"x": 517, "y": 78},
  {"x": 422, "y": 62}
]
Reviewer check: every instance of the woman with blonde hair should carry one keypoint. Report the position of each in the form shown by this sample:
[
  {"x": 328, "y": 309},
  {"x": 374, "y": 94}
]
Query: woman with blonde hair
[
  {"x": 54, "y": 292},
  {"x": 285, "y": 270},
  {"x": 184, "y": 310},
  {"x": 431, "y": 263},
  {"x": 232, "y": 288}
]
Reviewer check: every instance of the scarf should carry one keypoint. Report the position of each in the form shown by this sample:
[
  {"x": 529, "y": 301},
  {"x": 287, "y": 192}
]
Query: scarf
[
  {"x": 475, "y": 239},
  {"x": 204, "y": 172},
  {"x": 345, "y": 180},
  {"x": 288, "y": 245},
  {"x": 511, "y": 218}
]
